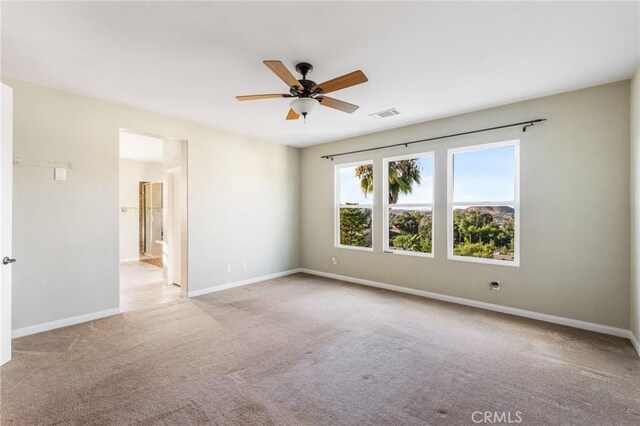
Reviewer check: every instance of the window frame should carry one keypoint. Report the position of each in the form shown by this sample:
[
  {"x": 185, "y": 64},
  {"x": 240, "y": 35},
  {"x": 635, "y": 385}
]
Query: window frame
[
  {"x": 337, "y": 206},
  {"x": 514, "y": 203},
  {"x": 385, "y": 204}
]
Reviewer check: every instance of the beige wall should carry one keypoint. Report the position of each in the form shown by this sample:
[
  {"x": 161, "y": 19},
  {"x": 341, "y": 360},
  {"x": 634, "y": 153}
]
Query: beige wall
[
  {"x": 574, "y": 208},
  {"x": 131, "y": 174},
  {"x": 246, "y": 204},
  {"x": 635, "y": 205},
  {"x": 243, "y": 203}
]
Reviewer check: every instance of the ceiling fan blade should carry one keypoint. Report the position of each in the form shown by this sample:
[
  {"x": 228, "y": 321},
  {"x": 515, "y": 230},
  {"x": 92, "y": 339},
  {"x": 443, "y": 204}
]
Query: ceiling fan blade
[
  {"x": 281, "y": 71},
  {"x": 292, "y": 115},
  {"x": 255, "y": 97},
  {"x": 342, "y": 82},
  {"x": 337, "y": 104}
]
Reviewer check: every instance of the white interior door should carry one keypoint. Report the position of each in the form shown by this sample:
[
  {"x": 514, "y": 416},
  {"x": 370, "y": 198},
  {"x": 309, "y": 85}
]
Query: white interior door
[{"x": 6, "y": 183}]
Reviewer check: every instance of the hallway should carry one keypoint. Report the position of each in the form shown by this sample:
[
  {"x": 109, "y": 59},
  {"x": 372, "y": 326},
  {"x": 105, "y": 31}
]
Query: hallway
[{"x": 141, "y": 286}]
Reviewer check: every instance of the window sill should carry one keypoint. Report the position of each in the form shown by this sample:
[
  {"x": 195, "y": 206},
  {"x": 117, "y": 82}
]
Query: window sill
[
  {"x": 370, "y": 249},
  {"x": 515, "y": 263},
  {"x": 409, "y": 253}
]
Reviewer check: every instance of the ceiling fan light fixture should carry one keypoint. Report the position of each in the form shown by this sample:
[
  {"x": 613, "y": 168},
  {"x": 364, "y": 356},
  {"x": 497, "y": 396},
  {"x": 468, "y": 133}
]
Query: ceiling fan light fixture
[{"x": 304, "y": 106}]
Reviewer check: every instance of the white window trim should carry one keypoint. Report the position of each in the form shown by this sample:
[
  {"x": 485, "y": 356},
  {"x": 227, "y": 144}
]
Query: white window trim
[
  {"x": 386, "y": 205},
  {"x": 515, "y": 203},
  {"x": 337, "y": 206}
]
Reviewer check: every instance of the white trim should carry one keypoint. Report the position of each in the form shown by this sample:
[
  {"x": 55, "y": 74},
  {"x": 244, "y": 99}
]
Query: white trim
[
  {"x": 599, "y": 328},
  {"x": 337, "y": 206},
  {"x": 130, "y": 259},
  {"x": 483, "y": 146},
  {"x": 483, "y": 203},
  {"x": 634, "y": 342},
  {"x": 486, "y": 261},
  {"x": 65, "y": 322},
  {"x": 411, "y": 253},
  {"x": 356, "y": 206},
  {"x": 386, "y": 206},
  {"x": 341, "y": 246},
  {"x": 515, "y": 203},
  {"x": 226, "y": 286}
]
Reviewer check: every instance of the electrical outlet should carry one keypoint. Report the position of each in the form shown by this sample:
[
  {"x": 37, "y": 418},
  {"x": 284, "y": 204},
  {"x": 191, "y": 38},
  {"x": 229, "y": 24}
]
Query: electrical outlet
[
  {"x": 244, "y": 265},
  {"x": 228, "y": 268},
  {"x": 494, "y": 285},
  {"x": 334, "y": 260}
]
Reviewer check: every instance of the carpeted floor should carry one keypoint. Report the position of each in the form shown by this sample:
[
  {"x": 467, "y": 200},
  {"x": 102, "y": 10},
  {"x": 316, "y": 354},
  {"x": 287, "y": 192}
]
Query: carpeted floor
[{"x": 306, "y": 350}]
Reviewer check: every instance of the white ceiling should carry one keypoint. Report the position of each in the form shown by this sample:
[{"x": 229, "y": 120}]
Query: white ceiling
[
  {"x": 427, "y": 60},
  {"x": 140, "y": 147}
]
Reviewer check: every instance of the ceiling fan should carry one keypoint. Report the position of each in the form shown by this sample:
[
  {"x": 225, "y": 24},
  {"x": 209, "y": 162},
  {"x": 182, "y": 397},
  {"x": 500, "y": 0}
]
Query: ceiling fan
[{"x": 308, "y": 94}]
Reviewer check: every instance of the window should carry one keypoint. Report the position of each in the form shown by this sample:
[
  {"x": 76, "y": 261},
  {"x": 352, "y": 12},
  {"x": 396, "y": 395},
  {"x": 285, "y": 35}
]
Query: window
[
  {"x": 354, "y": 205},
  {"x": 408, "y": 204},
  {"x": 483, "y": 203}
]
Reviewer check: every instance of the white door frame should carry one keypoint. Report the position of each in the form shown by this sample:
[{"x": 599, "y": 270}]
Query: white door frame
[
  {"x": 6, "y": 187},
  {"x": 172, "y": 228},
  {"x": 181, "y": 171}
]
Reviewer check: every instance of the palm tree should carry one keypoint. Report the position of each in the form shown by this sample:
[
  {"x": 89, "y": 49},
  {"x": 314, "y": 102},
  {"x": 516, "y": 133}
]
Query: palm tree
[
  {"x": 403, "y": 175},
  {"x": 365, "y": 174}
]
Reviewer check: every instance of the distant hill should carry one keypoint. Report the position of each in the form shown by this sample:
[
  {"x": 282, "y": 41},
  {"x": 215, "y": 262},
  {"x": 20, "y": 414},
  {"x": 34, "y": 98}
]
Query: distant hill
[
  {"x": 492, "y": 210},
  {"x": 399, "y": 211}
]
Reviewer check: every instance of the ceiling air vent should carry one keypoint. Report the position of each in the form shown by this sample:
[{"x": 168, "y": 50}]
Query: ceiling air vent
[{"x": 385, "y": 114}]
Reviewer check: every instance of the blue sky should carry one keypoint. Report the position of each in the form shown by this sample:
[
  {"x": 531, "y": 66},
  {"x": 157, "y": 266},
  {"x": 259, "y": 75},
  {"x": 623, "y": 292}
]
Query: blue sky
[
  {"x": 486, "y": 175},
  {"x": 422, "y": 193},
  {"x": 351, "y": 192}
]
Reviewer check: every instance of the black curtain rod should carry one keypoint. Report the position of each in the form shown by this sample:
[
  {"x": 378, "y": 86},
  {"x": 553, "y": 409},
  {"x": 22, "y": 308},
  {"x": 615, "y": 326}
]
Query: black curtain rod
[{"x": 523, "y": 123}]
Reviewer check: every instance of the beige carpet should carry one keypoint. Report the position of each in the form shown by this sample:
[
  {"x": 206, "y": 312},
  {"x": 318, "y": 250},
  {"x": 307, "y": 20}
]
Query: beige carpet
[{"x": 305, "y": 350}]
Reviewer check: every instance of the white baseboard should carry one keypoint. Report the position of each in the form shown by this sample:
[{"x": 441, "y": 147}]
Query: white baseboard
[
  {"x": 130, "y": 259},
  {"x": 614, "y": 331},
  {"x": 39, "y": 328},
  {"x": 635, "y": 342},
  {"x": 234, "y": 284}
]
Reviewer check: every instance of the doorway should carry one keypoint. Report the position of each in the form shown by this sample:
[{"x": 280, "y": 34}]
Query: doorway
[{"x": 152, "y": 212}]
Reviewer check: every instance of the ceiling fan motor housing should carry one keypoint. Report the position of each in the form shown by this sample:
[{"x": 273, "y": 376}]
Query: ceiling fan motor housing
[{"x": 304, "y": 68}]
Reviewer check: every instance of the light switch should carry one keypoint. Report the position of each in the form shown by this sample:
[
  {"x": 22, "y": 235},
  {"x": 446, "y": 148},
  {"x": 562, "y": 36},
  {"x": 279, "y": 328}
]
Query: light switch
[{"x": 60, "y": 173}]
